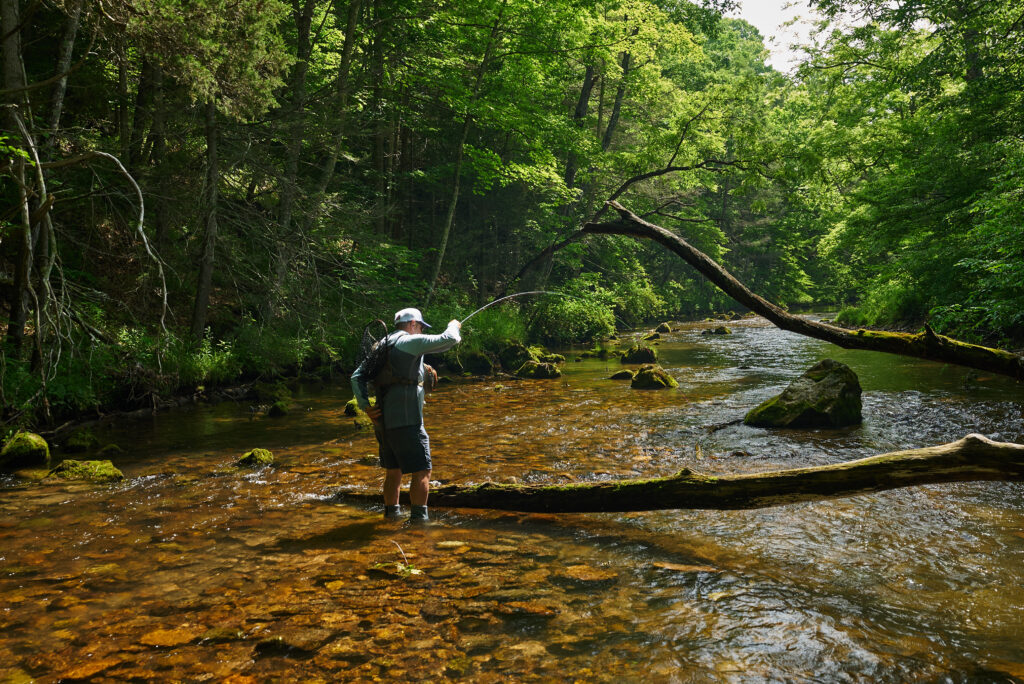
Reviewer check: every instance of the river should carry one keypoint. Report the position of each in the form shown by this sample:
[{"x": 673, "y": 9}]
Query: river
[{"x": 194, "y": 570}]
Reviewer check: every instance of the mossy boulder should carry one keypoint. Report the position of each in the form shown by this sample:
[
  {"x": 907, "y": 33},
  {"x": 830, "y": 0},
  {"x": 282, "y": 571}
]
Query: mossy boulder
[
  {"x": 536, "y": 370},
  {"x": 827, "y": 395},
  {"x": 719, "y": 330},
  {"x": 640, "y": 353},
  {"x": 362, "y": 420},
  {"x": 514, "y": 356},
  {"x": 257, "y": 458},
  {"x": 478, "y": 363},
  {"x": 624, "y": 374},
  {"x": 25, "y": 450},
  {"x": 86, "y": 471},
  {"x": 652, "y": 336},
  {"x": 83, "y": 440},
  {"x": 651, "y": 376},
  {"x": 271, "y": 392},
  {"x": 663, "y": 328},
  {"x": 278, "y": 409}
]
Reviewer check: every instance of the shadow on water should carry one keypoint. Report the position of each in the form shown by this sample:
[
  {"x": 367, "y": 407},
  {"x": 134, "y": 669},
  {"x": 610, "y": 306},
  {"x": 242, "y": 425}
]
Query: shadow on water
[{"x": 194, "y": 569}]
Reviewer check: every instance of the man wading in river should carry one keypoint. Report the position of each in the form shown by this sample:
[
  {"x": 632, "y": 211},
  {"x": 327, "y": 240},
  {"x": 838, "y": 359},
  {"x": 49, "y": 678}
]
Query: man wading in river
[{"x": 398, "y": 415}]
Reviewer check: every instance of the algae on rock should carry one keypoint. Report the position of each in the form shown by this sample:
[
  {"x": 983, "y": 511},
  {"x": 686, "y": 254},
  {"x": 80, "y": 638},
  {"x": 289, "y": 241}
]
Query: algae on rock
[
  {"x": 539, "y": 371},
  {"x": 826, "y": 395},
  {"x": 257, "y": 458},
  {"x": 640, "y": 353},
  {"x": 651, "y": 376},
  {"x": 25, "y": 449},
  {"x": 87, "y": 471}
]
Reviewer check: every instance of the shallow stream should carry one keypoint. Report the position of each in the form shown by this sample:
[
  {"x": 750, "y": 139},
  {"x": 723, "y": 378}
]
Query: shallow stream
[{"x": 193, "y": 570}]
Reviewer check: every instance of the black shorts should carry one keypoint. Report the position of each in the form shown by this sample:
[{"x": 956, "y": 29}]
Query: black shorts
[{"x": 406, "y": 447}]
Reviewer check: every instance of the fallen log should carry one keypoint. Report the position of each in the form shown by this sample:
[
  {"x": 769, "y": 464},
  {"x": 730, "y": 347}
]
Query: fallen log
[
  {"x": 925, "y": 345},
  {"x": 972, "y": 458}
]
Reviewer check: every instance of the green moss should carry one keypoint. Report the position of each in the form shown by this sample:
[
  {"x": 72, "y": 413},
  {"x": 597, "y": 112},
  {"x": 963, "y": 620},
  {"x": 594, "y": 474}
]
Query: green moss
[
  {"x": 270, "y": 393},
  {"x": 826, "y": 395},
  {"x": 25, "y": 449},
  {"x": 278, "y": 409},
  {"x": 640, "y": 353},
  {"x": 624, "y": 374},
  {"x": 514, "y": 356},
  {"x": 87, "y": 471},
  {"x": 651, "y": 376},
  {"x": 257, "y": 458},
  {"x": 551, "y": 358},
  {"x": 538, "y": 371},
  {"x": 352, "y": 407}
]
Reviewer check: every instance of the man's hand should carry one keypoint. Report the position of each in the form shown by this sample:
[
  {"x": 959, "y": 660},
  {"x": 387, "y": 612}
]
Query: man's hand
[
  {"x": 375, "y": 414},
  {"x": 457, "y": 324}
]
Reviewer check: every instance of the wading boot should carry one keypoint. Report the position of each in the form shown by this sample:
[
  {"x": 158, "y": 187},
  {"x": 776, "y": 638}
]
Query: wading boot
[
  {"x": 392, "y": 512},
  {"x": 418, "y": 514}
]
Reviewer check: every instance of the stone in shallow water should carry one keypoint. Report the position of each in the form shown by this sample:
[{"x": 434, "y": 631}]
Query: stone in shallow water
[
  {"x": 87, "y": 471},
  {"x": 826, "y": 395},
  {"x": 651, "y": 376},
  {"x": 168, "y": 638},
  {"x": 639, "y": 353},
  {"x": 586, "y": 574},
  {"x": 25, "y": 449},
  {"x": 677, "y": 567},
  {"x": 257, "y": 458},
  {"x": 539, "y": 371},
  {"x": 624, "y": 374}
]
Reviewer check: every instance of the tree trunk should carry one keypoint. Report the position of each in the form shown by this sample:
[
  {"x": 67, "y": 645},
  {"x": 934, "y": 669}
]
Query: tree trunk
[
  {"x": 65, "y": 52},
  {"x": 466, "y": 122},
  {"x": 342, "y": 94},
  {"x": 13, "y": 80},
  {"x": 205, "y": 283},
  {"x": 972, "y": 458},
  {"x": 620, "y": 94},
  {"x": 288, "y": 187},
  {"x": 925, "y": 345}
]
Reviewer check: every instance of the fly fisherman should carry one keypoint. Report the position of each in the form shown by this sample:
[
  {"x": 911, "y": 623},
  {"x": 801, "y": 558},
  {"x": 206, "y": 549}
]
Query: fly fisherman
[{"x": 398, "y": 415}]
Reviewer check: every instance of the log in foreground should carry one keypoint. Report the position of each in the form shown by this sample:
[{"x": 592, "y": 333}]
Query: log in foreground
[
  {"x": 925, "y": 345},
  {"x": 972, "y": 458}
]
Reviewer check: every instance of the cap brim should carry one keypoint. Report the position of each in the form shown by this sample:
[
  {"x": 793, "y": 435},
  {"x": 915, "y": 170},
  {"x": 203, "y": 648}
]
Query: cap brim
[{"x": 425, "y": 324}]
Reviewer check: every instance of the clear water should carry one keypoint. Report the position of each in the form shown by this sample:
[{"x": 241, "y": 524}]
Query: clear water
[{"x": 192, "y": 570}]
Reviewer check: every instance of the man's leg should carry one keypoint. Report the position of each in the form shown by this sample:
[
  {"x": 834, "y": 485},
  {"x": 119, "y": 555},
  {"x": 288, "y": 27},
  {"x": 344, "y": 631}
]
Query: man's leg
[
  {"x": 392, "y": 485},
  {"x": 419, "y": 488}
]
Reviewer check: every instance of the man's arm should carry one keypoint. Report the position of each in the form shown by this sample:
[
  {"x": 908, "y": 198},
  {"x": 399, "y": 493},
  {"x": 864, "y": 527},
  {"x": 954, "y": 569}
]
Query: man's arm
[
  {"x": 431, "y": 344},
  {"x": 359, "y": 390}
]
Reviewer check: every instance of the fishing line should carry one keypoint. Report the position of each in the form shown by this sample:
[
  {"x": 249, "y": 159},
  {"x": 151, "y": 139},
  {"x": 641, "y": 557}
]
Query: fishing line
[{"x": 517, "y": 294}]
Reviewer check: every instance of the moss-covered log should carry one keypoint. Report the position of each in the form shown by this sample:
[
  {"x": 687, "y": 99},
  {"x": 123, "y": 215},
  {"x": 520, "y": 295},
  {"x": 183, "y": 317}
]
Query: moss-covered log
[
  {"x": 925, "y": 345},
  {"x": 972, "y": 458}
]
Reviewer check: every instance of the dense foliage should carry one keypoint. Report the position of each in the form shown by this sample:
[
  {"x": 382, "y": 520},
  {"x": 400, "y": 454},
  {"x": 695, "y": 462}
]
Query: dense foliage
[{"x": 305, "y": 166}]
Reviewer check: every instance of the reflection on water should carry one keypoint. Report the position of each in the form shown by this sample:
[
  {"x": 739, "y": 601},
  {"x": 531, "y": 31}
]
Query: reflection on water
[{"x": 191, "y": 570}]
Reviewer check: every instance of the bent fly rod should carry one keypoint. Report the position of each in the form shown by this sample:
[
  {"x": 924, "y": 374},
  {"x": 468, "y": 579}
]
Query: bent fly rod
[{"x": 517, "y": 294}]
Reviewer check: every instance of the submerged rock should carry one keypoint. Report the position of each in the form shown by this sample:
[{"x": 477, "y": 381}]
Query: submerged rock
[
  {"x": 651, "y": 376},
  {"x": 624, "y": 374},
  {"x": 25, "y": 449},
  {"x": 87, "y": 471},
  {"x": 827, "y": 395},
  {"x": 720, "y": 330},
  {"x": 539, "y": 371},
  {"x": 663, "y": 328},
  {"x": 110, "y": 450},
  {"x": 514, "y": 356},
  {"x": 257, "y": 458},
  {"x": 640, "y": 353},
  {"x": 83, "y": 440}
]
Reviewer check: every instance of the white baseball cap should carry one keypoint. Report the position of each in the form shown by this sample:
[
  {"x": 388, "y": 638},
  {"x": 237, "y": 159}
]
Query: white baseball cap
[{"x": 410, "y": 314}]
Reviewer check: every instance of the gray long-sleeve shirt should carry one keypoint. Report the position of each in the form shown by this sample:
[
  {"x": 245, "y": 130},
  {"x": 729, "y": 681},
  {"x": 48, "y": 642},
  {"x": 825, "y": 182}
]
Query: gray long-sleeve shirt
[{"x": 403, "y": 404}]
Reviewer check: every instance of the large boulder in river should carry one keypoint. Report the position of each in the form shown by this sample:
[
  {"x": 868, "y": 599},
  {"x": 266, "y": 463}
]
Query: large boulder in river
[
  {"x": 86, "y": 471},
  {"x": 650, "y": 376},
  {"x": 827, "y": 395},
  {"x": 25, "y": 450},
  {"x": 514, "y": 356},
  {"x": 640, "y": 353},
  {"x": 539, "y": 371}
]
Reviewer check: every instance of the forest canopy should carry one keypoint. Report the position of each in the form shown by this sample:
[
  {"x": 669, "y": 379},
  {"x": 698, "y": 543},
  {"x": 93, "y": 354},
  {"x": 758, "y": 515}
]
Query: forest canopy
[{"x": 199, "y": 192}]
